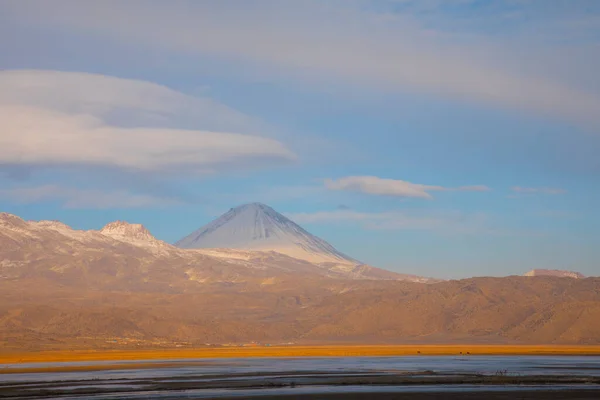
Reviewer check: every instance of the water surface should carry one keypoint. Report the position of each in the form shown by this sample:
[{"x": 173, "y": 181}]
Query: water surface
[{"x": 212, "y": 378}]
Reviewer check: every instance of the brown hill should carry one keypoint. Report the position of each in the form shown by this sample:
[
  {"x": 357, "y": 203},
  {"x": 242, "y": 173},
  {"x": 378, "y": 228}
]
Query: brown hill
[
  {"x": 61, "y": 288},
  {"x": 498, "y": 310},
  {"x": 541, "y": 310}
]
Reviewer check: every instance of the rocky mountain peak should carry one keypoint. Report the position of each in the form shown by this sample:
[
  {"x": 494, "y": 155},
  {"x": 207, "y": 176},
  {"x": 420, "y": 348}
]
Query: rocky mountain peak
[
  {"x": 555, "y": 272},
  {"x": 11, "y": 220},
  {"x": 122, "y": 229}
]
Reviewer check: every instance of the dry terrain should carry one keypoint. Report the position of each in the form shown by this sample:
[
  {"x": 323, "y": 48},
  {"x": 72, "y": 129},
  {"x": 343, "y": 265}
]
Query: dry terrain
[
  {"x": 122, "y": 289},
  {"x": 37, "y": 314},
  {"x": 280, "y": 351}
]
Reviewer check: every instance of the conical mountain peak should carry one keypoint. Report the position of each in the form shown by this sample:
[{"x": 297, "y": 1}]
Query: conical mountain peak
[
  {"x": 254, "y": 205},
  {"x": 257, "y": 207},
  {"x": 256, "y": 226}
]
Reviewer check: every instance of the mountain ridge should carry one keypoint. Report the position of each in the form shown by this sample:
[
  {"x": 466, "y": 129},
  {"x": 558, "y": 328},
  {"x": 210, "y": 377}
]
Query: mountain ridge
[
  {"x": 45, "y": 241},
  {"x": 63, "y": 288},
  {"x": 555, "y": 272},
  {"x": 138, "y": 235}
]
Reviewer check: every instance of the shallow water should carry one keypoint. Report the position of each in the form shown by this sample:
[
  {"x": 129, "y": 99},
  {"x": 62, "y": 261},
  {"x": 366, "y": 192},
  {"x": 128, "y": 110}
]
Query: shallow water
[
  {"x": 518, "y": 365},
  {"x": 316, "y": 390},
  {"x": 287, "y": 375}
]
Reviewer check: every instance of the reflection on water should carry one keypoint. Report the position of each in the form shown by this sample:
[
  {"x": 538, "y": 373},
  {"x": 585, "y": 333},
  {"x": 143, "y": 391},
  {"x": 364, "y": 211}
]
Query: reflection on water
[
  {"x": 523, "y": 365},
  {"x": 291, "y": 375},
  {"x": 212, "y": 394}
]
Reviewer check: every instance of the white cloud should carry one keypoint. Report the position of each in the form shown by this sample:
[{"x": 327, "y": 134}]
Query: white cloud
[
  {"x": 378, "y": 186},
  {"x": 332, "y": 40},
  {"x": 84, "y": 198},
  {"x": 33, "y": 136},
  {"x": 50, "y": 118},
  {"x": 438, "y": 222},
  {"x": 395, "y": 220},
  {"x": 392, "y": 187},
  {"x": 540, "y": 190},
  {"x": 121, "y": 102},
  {"x": 471, "y": 188}
]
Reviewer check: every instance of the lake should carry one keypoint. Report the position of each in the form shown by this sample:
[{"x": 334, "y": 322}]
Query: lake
[{"x": 565, "y": 376}]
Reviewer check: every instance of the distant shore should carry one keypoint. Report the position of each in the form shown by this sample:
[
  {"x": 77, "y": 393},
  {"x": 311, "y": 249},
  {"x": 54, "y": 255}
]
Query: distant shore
[{"x": 15, "y": 357}]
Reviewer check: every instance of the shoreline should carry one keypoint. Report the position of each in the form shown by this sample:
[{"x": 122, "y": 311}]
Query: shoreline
[{"x": 24, "y": 357}]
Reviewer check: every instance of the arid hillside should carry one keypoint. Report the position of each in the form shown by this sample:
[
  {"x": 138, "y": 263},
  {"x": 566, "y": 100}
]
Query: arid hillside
[
  {"x": 540, "y": 310},
  {"x": 37, "y": 313},
  {"x": 120, "y": 287}
]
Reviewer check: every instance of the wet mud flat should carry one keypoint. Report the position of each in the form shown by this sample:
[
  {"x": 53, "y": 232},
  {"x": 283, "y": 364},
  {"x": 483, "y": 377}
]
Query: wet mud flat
[
  {"x": 439, "y": 395},
  {"x": 421, "y": 385}
]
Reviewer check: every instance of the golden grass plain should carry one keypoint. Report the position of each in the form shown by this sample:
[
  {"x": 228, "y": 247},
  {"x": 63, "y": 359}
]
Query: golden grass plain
[{"x": 293, "y": 351}]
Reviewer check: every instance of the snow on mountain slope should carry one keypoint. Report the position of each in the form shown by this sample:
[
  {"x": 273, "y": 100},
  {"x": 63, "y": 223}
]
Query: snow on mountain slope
[
  {"x": 257, "y": 226},
  {"x": 555, "y": 272},
  {"x": 36, "y": 247},
  {"x": 58, "y": 232},
  {"x": 128, "y": 256},
  {"x": 132, "y": 233},
  {"x": 123, "y": 229}
]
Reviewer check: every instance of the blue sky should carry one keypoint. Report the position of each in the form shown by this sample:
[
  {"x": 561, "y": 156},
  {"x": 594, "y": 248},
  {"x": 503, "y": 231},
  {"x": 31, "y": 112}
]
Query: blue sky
[{"x": 444, "y": 138}]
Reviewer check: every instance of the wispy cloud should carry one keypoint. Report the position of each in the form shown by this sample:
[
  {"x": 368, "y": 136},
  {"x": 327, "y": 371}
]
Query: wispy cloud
[
  {"x": 330, "y": 40},
  {"x": 393, "y": 187},
  {"x": 122, "y": 102},
  {"x": 538, "y": 190},
  {"x": 84, "y": 198},
  {"x": 438, "y": 222},
  {"x": 50, "y": 118},
  {"x": 559, "y": 214},
  {"x": 395, "y": 220}
]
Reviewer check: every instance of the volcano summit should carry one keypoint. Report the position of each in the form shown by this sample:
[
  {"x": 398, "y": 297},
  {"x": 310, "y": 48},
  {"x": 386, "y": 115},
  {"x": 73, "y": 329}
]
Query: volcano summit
[{"x": 256, "y": 226}]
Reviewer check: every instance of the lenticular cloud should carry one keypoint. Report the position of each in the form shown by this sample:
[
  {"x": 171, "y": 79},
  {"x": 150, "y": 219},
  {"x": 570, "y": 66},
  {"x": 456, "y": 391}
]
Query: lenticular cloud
[{"x": 58, "y": 118}]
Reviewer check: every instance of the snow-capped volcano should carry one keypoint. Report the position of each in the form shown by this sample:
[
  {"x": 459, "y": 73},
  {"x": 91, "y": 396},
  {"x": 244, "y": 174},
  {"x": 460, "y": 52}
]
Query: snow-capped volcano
[{"x": 257, "y": 226}]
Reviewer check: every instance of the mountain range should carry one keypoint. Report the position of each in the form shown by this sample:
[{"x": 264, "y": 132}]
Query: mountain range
[{"x": 257, "y": 277}]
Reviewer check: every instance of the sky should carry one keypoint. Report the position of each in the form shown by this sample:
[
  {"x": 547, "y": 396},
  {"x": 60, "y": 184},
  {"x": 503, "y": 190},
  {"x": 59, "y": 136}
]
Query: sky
[{"x": 446, "y": 138}]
